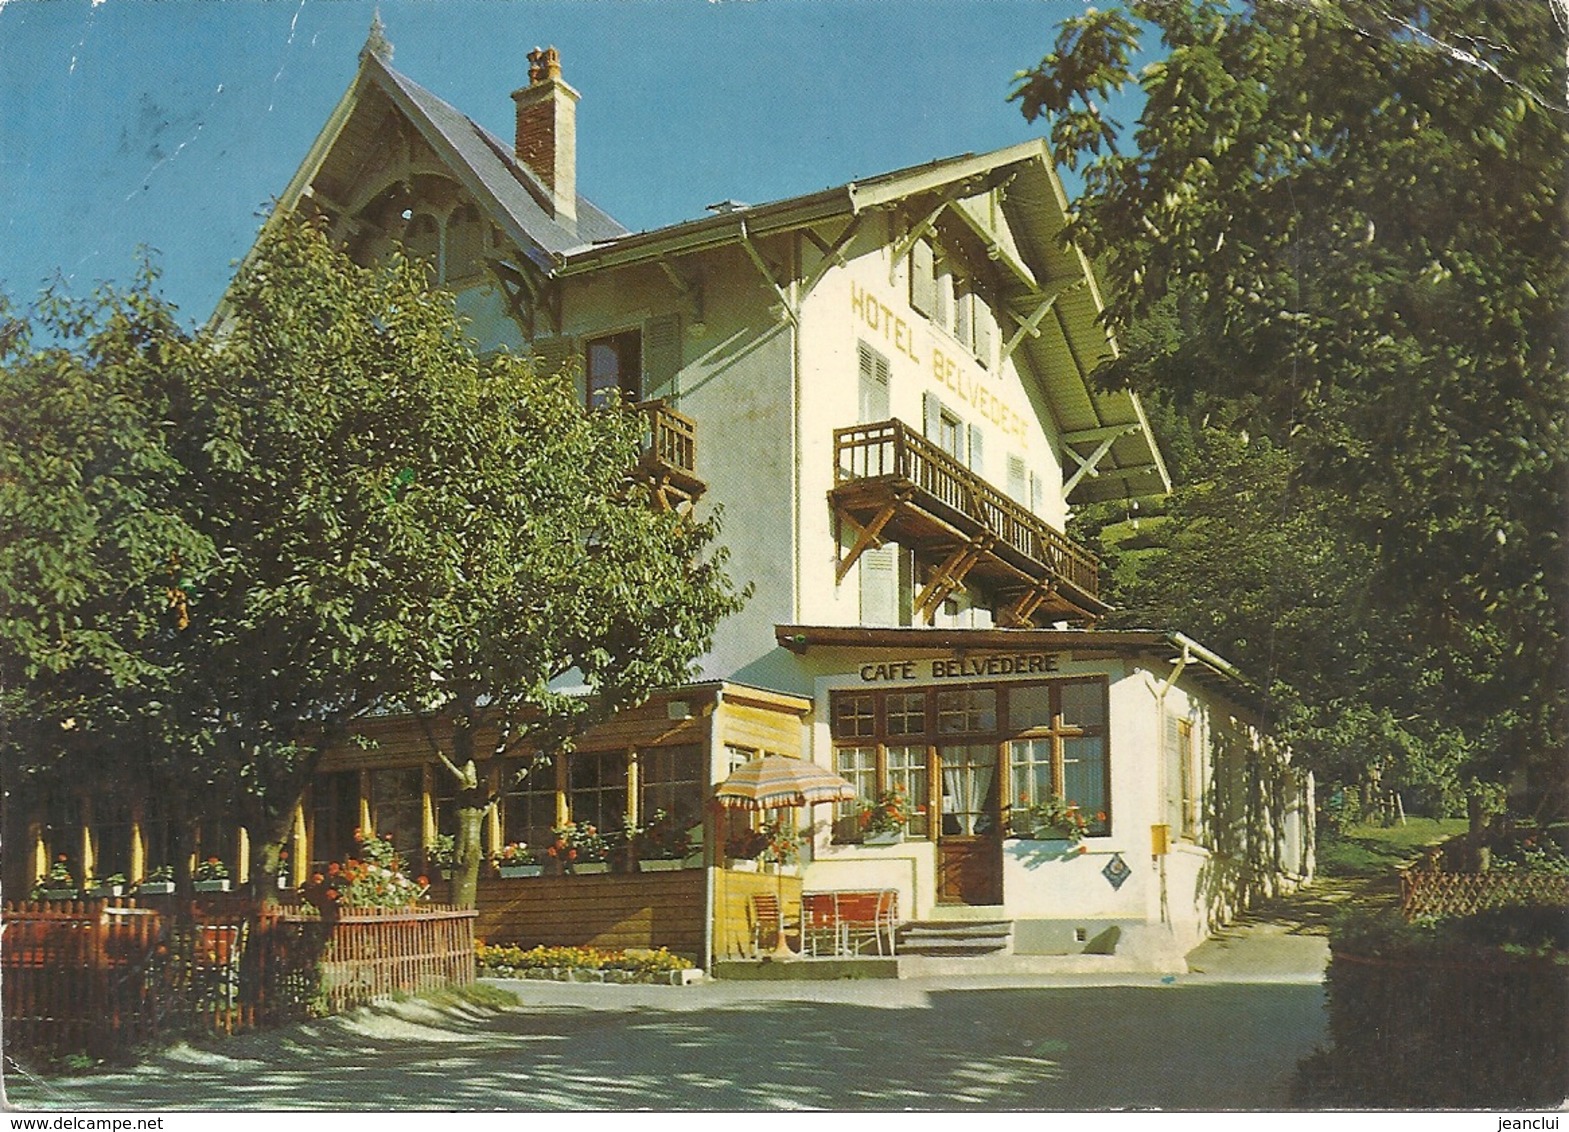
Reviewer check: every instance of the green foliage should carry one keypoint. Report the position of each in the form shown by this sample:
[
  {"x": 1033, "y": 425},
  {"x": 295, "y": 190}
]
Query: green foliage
[
  {"x": 376, "y": 877},
  {"x": 1339, "y": 230},
  {"x": 1377, "y": 851}
]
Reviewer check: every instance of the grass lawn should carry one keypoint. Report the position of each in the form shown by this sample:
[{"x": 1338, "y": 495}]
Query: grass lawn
[{"x": 1376, "y": 851}]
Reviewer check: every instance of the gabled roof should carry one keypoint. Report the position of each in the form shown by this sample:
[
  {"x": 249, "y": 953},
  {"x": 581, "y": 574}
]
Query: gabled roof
[{"x": 481, "y": 162}]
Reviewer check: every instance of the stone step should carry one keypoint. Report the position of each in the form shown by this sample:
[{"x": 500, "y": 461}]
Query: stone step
[
  {"x": 955, "y": 938},
  {"x": 956, "y": 928}
]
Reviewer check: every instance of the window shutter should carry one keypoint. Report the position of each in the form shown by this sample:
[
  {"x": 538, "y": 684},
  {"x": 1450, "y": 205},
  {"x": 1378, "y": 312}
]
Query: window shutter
[
  {"x": 661, "y": 356},
  {"x": 977, "y": 453},
  {"x": 984, "y": 336},
  {"x": 556, "y": 355},
  {"x": 873, "y": 390},
  {"x": 1018, "y": 486},
  {"x": 923, "y": 278},
  {"x": 1037, "y": 493},
  {"x": 879, "y": 586},
  {"x": 931, "y": 421}
]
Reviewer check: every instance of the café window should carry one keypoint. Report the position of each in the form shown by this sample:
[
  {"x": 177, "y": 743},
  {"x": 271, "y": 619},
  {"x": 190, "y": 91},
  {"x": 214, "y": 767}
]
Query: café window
[
  {"x": 1032, "y": 740},
  {"x": 597, "y": 789},
  {"x": 397, "y": 804},
  {"x": 615, "y": 368},
  {"x": 335, "y": 815},
  {"x": 528, "y": 805},
  {"x": 671, "y": 779}
]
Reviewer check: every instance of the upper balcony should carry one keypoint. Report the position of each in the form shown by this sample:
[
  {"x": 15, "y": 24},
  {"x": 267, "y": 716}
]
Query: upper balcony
[
  {"x": 669, "y": 462},
  {"x": 891, "y": 483}
]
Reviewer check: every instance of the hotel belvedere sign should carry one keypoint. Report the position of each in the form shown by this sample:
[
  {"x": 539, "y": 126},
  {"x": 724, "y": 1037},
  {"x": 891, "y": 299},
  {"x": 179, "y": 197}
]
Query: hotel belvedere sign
[
  {"x": 961, "y": 667},
  {"x": 953, "y": 374}
]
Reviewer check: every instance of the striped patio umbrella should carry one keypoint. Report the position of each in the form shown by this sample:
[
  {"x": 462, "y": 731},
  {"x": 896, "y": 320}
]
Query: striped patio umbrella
[{"x": 776, "y": 781}]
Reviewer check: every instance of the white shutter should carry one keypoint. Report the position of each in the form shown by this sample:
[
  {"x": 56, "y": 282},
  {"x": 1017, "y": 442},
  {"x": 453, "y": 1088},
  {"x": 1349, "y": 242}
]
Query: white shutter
[
  {"x": 1037, "y": 493},
  {"x": 931, "y": 416},
  {"x": 873, "y": 391},
  {"x": 984, "y": 331},
  {"x": 977, "y": 459},
  {"x": 1018, "y": 484},
  {"x": 923, "y": 277}
]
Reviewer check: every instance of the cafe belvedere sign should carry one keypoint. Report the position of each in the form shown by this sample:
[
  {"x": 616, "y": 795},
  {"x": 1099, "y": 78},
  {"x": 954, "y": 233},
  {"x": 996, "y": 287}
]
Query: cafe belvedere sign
[{"x": 960, "y": 667}]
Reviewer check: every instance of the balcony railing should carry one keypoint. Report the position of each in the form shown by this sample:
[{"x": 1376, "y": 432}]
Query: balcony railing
[
  {"x": 669, "y": 463},
  {"x": 890, "y": 452}
]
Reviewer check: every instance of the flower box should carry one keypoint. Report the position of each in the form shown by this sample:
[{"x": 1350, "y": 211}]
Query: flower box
[
  {"x": 887, "y": 837},
  {"x": 211, "y": 886},
  {"x": 512, "y": 872},
  {"x": 155, "y": 888},
  {"x": 588, "y": 868},
  {"x": 101, "y": 891},
  {"x": 743, "y": 864},
  {"x": 661, "y": 865},
  {"x": 58, "y": 894}
]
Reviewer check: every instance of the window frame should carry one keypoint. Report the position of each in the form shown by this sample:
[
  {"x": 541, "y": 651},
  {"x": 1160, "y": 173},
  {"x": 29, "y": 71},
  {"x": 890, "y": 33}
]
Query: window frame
[
  {"x": 627, "y": 345},
  {"x": 872, "y": 729}
]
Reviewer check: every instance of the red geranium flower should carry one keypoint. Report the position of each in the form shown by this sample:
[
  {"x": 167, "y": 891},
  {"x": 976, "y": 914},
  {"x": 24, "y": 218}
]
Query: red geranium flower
[{"x": 422, "y": 881}]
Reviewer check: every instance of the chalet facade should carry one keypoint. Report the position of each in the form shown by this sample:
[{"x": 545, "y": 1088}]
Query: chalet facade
[{"x": 886, "y": 386}]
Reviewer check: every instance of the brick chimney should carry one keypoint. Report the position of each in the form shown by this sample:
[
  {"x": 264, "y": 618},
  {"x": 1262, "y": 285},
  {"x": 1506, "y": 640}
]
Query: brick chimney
[{"x": 547, "y": 130}]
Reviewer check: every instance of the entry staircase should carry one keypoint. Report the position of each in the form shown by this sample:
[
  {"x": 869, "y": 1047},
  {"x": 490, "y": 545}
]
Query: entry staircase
[{"x": 953, "y": 938}]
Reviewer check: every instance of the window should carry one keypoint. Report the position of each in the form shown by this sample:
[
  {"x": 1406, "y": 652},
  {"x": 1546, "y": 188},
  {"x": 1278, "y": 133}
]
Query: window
[
  {"x": 1188, "y": 774},
  {"x": 422, "y": 242},
  {"x": 1018, "y": 742},
  {"x": 1018, "y": 481},
  {"x": 111, "y": 835},
  {"x": 615, "y": 368},
  {"x": 597, "y": 789},
  {"x": 335, "y": 814},
  {"x": 397, "y": 803},
  {"x": 950, "y": 435},
  {"x": 963, "y": 329},
  {"x": 528, "y": 802},
  {"x": 961, "y": 711},
  {"x": 671, "y": 779}
]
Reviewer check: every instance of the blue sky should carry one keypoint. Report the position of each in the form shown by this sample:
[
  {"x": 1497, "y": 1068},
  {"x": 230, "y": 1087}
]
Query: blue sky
[{"x": 172, "y": 124}]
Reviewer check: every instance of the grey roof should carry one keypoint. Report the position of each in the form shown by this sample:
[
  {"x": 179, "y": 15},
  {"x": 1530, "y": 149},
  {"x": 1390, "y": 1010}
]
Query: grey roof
[{"x": 512, "y": 185}]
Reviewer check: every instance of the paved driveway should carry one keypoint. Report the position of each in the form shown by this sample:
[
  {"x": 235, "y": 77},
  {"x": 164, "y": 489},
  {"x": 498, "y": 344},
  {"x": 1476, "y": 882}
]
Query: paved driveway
[{"x": 1227, "y": 1036}]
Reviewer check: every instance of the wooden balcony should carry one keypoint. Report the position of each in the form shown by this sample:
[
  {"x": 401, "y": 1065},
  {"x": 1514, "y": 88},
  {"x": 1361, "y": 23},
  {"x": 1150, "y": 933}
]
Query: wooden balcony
[
  {"x": 892, "y": 484},
  {"x": 669, "y": 462}
]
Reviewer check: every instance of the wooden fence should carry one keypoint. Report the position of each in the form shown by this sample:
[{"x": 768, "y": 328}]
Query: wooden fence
[
  {"x": 103, "y": 976},
  {"x": 1424, "y": 892}
]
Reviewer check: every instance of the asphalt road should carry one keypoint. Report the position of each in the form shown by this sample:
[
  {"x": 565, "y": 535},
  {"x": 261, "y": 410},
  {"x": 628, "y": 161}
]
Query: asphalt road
[{"x": 1228, "y": 1037}]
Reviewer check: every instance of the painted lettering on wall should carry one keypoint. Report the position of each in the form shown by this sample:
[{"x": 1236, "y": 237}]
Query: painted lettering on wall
[
  {"x": 961, "y": 380},
  {"x": 880, "y": 318},
  {"x": 961, "y": 667}
]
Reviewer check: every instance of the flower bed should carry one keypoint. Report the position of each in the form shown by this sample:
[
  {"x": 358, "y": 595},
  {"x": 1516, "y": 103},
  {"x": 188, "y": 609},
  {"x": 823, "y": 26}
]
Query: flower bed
[{"x": 582, "y": 964}]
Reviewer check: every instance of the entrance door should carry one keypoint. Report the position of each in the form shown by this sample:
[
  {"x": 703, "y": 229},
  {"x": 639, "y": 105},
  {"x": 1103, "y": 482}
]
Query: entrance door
[{"x": 969, "y": 847}]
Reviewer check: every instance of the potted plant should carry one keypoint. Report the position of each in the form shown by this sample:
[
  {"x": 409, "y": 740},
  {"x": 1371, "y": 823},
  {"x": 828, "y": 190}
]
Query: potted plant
[
  {"x": 57, "y": 883},
  {"x": 744, "y": 848},
  {"x": 883, "y": 822},
  {"x": 212, "y": 875},
  {"x": 662, "y": 844},
  {"x": 376, "y": 877},
  {"x": 579, "y": 848},
  {"x": 159, "y": 882},
  {"x": 781, "y": 849},
  {"x": 1052, "y": 819},
  {"x": 111, "y": 885},
  {"x": 442, "y": 854},
  {"x": 516, "y": 859}
]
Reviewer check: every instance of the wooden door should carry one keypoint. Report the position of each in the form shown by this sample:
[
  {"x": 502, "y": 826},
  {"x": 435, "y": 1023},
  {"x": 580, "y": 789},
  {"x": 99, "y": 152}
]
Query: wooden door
[{"x": 969, "y": 846}]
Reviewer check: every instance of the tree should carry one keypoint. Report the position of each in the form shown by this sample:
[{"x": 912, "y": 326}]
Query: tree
[
  {"x": 1354, "y": 216},
  {"x": 361, "y": 515}
]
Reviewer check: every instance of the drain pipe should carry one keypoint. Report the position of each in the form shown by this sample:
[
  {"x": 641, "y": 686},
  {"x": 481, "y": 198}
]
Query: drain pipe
[
  {"x": 712, "y": 832},
  {"x": 1163, "y": 777}
]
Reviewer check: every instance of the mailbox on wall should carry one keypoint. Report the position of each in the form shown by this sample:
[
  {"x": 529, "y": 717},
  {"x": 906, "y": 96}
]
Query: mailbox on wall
[{"x": 1160, "y": 840}]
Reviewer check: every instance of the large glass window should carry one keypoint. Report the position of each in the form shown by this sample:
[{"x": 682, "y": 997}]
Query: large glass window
[
  {"x": 671, "y": 779},
  {"x": 957, "y": 751},
  {"x": 335, "y": 814},
  {"x": 397, "y": 806},
  {"x": 528, "y": 806},
  {"x": 615, "y": 368},
  {"x": 598, "y": 789}
]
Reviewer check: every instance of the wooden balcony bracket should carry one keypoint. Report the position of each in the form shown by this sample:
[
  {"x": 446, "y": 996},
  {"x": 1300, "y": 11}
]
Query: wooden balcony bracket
[
  {"x": 868, "y": 535},
  {"x": 924, "y": 228},
  {"x": 949, "y": 577},
  {"x": 1020, "y": 615},
  {"x": 757, "y": 260},
  {"x": 833, "y": 254},
  {"x": 689, "y": 289},
  {"x": 528, "y": 293}
]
